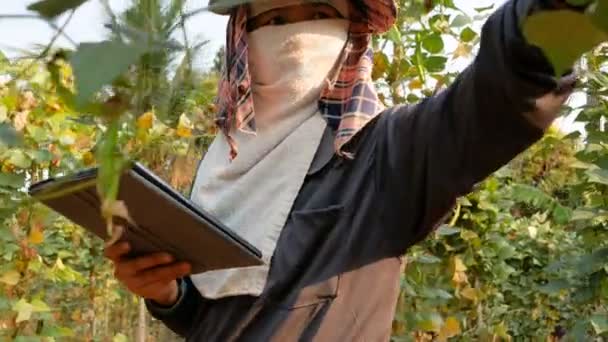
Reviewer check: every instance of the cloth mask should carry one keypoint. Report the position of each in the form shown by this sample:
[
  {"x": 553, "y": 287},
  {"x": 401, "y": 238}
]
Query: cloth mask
[
  {"x": 289, "y": 65},
  {"x": 254, "y": 193}
]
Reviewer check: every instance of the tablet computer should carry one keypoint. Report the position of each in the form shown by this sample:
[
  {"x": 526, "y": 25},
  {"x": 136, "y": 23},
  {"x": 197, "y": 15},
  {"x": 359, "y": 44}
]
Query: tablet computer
[{"x": 163, "y": 220}]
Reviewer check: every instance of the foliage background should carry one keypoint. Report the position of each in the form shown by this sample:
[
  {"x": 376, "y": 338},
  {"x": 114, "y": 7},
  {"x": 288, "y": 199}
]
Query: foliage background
[{"x": 522, "y": 258}]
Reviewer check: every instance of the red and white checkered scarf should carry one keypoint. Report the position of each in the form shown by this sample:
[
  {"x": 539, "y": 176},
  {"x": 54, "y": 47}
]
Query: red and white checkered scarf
[{"x": 348, "y": 103}]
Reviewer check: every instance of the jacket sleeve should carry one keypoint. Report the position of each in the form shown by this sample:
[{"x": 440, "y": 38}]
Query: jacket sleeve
[
  {"x": 183, "y": 315},
  {"x": 431, "y": 153}
]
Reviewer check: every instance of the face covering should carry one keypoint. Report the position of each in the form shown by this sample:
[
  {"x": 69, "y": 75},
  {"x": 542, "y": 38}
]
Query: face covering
[
  {"x": 290, "y": 64},
  {"x": 253, "y": 194}
]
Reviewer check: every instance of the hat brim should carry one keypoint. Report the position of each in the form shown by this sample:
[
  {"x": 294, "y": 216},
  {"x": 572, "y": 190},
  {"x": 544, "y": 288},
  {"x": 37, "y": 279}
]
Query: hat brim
[
  {"x": 224, "y": 7},
  {"x": 385, "y": 14}
]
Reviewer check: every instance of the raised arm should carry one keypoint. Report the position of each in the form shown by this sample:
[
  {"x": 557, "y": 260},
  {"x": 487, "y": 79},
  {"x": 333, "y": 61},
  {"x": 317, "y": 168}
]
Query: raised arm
[{"x": 430, "y": 154}]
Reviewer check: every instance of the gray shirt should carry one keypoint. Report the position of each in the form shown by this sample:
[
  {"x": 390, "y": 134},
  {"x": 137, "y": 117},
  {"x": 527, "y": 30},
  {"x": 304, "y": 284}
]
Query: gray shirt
[{"x": 335, "y": 273}]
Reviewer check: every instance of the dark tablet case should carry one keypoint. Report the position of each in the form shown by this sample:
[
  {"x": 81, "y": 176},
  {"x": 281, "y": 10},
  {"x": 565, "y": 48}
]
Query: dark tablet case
[{"x": 165, "y": 220}]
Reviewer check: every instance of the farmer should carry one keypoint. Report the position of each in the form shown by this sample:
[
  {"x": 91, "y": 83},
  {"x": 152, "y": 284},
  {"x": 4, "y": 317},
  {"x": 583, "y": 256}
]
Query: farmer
[{"x": 329, "y": 185}]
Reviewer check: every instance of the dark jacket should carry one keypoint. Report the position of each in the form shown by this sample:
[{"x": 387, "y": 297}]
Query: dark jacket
[{"x": 335, "y": 273}]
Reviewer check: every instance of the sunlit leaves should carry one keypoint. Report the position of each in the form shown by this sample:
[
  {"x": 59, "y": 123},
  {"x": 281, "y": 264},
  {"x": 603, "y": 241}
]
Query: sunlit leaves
[
  {"x": 598, "y": 176},
  {"x": 563, "y": 35},
  {"x": 25, "y": 309},
  {"x": 184, "y": 127},
  {"x": 433, "y": 43}
]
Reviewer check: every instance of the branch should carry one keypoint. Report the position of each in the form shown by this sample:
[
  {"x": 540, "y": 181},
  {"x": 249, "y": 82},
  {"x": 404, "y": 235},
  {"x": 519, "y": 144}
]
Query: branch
[
  {"x": 59, "y": 32},
  {"x": 113, "y": 18},
  {"x": 20, "y": 16}
]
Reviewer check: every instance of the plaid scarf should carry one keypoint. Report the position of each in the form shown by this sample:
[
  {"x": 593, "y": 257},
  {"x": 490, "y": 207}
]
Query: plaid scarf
[{"x": 348, "y": 102}]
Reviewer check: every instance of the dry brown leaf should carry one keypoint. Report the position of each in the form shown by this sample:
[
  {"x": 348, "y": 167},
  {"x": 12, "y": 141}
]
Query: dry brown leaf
[{"x": 20, "y": 120}]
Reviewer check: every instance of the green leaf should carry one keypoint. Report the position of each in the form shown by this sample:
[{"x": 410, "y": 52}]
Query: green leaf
[
  {"x": 582, "y": 214},
  {"x": 55, "y": 331},
  {"x": 111, "y": 163},
  {"x": 394, "y": 35},
  {"x": 98, "y": 64},
  {"x": 599, "y": 323},
  {"x": 430, "y": 322},
  {"x": 53, "y": 8},
  {"x": 41, "y": 156},
  {"x": 435, "y": 293},
  {"x": 37, "y": 133},
  {"x": 555, "y": 286},
  {"x": 433, "y": 43},
  {"x": 12, "y": 180},
  {"x": 460, "y": 21},
  {"x": 435, "y": 63},
  {"x": 467, "y": 35},
  {"x": 9, "y": 136},
  {"x": 599, "y": 15},
  {"x": 484, "y": 9},
  {"x": 428, "y": 259},
  {"x": 598, "y": 176},
  {"x": 563, "y": 35},
  {"x": 579, "y": 331},
  {"x": 592, "y": 262},
  {"x": 446, "y": 230},
  {"x": 561, "y": 214}
]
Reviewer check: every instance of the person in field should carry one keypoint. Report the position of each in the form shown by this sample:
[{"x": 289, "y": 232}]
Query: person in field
[{"x": 331, "y": 186}]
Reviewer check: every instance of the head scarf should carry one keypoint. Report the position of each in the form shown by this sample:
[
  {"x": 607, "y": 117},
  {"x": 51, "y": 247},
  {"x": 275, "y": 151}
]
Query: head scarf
[{"x": 348, "y": 102}]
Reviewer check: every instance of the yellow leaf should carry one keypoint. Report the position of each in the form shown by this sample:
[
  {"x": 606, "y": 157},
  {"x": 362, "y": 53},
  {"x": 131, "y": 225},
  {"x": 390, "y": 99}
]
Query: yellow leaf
[
  {"x": 469, "y": 293},
  {"x": 450, "y": 328},
  {"x": 24, "y": 310},
  {"x": 501, "y": 331},
  {"x": 458, "y": 264},
  {"x": 39, "y": 306},
  {"x": 415, "y": 84},
  {"x": 145, "y": 121},
  {"x": 381, "y": 64},
  {"x": 460, "y": 278},
  {"x": 36, "y": 236},
  {"x": 88, "y": 158},
  {"x": 10, "y": 278},
  {"x": 184, "y": 127},
  {"x": 463, "y": 50}
]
